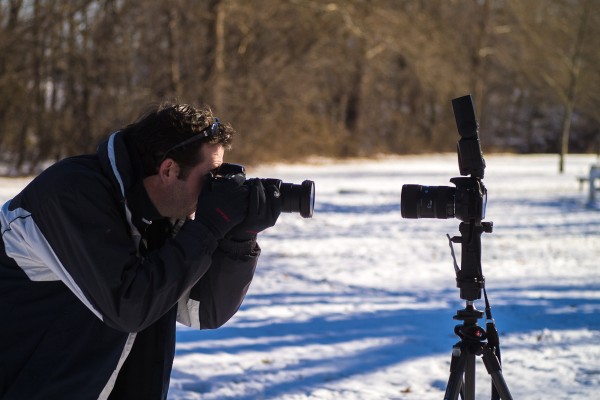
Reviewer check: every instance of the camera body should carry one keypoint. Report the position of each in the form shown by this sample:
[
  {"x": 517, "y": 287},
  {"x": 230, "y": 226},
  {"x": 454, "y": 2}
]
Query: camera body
[{"x": 294, "y": 198}]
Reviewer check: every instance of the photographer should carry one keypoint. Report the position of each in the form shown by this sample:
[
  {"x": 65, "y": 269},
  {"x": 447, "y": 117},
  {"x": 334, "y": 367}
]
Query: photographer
[{"x": 102, "y": 254}]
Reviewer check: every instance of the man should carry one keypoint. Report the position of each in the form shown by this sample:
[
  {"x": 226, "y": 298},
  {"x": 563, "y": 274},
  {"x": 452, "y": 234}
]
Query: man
[{"x": 101, "y": 254}]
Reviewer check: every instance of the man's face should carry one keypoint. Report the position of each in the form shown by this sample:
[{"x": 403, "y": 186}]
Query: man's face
[{"x": 179, "y": 197}]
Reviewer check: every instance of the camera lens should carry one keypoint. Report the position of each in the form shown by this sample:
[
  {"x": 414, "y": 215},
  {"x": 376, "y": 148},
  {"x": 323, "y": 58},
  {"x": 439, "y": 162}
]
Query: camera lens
[
  {"x": 427, "y": 201},
  {"x": 298, "y": 198}
]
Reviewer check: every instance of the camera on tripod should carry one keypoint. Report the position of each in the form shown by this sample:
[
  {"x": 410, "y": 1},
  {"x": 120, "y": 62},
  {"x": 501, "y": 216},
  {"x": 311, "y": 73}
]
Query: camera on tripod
[
  {"x": 294, "y": 198},
  {"x": 467, "y": 201}
]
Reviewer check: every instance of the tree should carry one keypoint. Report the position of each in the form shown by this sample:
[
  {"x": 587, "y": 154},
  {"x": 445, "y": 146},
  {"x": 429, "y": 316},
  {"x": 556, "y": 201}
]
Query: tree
[
  {"x": 299, "y": 78},
  {"x": 554, "y": 50}
]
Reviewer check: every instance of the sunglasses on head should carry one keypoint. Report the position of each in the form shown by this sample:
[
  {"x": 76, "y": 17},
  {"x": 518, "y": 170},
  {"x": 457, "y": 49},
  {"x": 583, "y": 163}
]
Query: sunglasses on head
[{"x": 209, "y": 131}]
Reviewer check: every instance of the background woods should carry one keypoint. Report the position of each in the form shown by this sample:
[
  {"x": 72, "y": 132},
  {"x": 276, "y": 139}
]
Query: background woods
[{"x": 299, "y": 78}]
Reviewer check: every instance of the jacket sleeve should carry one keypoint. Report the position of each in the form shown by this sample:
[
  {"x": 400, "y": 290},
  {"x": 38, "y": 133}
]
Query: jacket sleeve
[
  {"x": 78, "y": 222},
  {"x": 219, "y": 294}
]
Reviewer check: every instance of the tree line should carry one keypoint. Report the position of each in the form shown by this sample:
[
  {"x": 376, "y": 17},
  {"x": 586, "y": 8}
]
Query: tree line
[{"x": 301, "y": 78}]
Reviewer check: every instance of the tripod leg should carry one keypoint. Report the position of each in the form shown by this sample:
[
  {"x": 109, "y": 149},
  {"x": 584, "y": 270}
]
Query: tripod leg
[
  {"x": 494, "y": 369},
  {"x": 469, "y": 393},
  {"x": 457, "y": 369}
]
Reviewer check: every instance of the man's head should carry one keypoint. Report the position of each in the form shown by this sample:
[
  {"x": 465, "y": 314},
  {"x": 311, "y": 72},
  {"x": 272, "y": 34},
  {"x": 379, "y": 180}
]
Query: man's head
[
  {"x": 163, "y": 130},
  {"x": 178, "y": 146}
]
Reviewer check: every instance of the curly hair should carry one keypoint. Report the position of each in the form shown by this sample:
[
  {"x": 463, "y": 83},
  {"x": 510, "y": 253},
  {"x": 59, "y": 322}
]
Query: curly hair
[{"x": 164, "y": 126}]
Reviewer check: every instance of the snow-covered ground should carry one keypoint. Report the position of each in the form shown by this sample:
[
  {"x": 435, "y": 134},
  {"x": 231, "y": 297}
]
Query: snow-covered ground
[{"x": 357, "y": 303}]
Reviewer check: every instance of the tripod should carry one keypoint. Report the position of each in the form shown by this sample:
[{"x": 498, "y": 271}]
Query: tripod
[{"x": 474, "y": 340}]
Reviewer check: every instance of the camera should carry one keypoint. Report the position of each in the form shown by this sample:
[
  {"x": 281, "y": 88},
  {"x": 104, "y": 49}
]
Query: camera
[
  {"x": 466, "y": 201},
  {"x": 294, "y": 198}
]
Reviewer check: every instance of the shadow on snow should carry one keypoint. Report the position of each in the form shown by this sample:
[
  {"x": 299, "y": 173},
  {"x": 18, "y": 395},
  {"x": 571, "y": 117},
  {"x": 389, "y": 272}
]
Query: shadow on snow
[{"x": 394, "y": 336}]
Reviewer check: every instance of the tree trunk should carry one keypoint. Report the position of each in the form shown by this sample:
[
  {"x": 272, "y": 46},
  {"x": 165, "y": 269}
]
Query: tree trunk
[
  {"x": 174, "y": 51},
  {"x": 219, "y": 71},
  {"x": 572, "y": 90}
]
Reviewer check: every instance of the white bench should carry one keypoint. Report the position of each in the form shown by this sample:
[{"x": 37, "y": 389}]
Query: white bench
[{"x": 591, "y": 179}]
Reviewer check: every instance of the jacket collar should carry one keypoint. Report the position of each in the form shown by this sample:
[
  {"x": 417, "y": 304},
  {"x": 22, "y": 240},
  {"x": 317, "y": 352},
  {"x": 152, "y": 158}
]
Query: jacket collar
[{"x": 124, "y": 169}]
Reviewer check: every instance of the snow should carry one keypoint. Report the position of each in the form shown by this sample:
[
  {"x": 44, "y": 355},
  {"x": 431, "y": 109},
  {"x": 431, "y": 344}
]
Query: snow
[{"x": 357, "y": 302}]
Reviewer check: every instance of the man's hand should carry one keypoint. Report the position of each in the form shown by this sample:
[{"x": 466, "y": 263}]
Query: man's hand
[
  {"x": 223, "y": 204},
  {"x": 264, "y": 207}
]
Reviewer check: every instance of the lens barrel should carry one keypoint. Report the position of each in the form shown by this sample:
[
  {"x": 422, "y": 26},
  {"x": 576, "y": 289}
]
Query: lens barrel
[
  {"x": 427, "y": 201},
  {"x": 298, "y": 198}
]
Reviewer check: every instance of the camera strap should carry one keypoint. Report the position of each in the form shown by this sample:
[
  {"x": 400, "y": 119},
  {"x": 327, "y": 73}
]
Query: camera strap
[
  {"x": 491, "y": 330},
  {"x": 456, "y": 267},
  {"x": 493, "y": 338}
]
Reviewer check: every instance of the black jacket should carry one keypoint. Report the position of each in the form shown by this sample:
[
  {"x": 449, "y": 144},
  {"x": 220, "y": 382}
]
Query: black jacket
[{"x": 92, "y": 281}]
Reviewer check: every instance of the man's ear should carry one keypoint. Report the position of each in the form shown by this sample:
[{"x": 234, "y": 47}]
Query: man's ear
[{"x": 168, "y": 170}]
